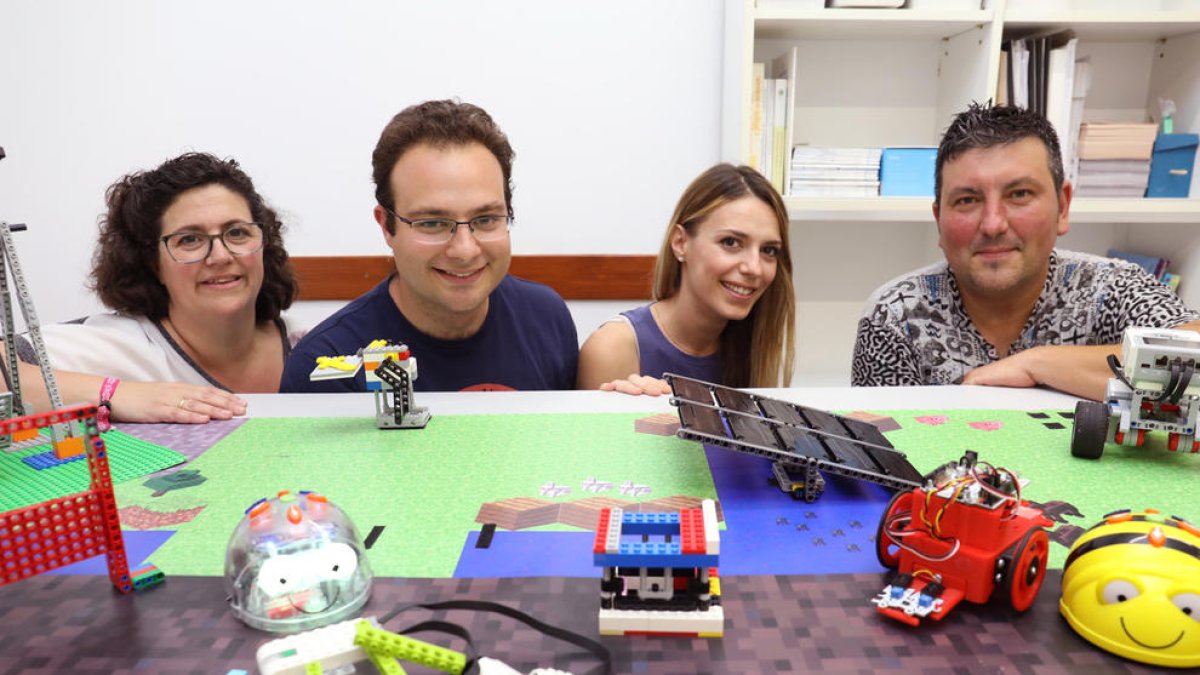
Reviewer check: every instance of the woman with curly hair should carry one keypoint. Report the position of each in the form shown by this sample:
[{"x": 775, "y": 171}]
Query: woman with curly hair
[{"x": 191, "y": 261}]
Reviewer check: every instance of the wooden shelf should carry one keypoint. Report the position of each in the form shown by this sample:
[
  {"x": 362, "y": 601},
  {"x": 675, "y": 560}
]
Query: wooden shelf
[
  {"x": 1135, "y": 210},
  {"x": 861, "y": 209},
  {"x": 918, "y": 210},
  {"x": 864, "y": 24}
]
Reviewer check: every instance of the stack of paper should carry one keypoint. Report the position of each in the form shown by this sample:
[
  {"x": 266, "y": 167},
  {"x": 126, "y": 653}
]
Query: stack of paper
[
  {"x": 835, "y": 172},
  {"x": 1114, "y": 159}
]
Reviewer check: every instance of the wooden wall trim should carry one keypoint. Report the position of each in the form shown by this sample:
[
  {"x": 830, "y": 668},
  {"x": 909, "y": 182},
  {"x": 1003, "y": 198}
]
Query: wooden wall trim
[{"x": 574, "y": 277}]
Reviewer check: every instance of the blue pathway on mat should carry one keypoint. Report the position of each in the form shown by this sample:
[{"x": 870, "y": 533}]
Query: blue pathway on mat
[{"x": 766, "y": 531}]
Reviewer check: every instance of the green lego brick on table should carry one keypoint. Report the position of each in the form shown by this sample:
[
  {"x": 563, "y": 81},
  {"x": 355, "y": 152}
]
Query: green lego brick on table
[{"x": 128, "y": 458}]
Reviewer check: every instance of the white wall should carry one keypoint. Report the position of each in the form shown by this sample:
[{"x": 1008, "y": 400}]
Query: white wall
[{"x": 612, "y": 108}]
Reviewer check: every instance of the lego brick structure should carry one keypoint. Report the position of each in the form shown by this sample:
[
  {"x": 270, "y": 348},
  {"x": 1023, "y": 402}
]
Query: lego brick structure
[
  {"x": 793, "y": 436},
  {"x": 44, "y": 536},
  {"x": 667, "y": 587}
]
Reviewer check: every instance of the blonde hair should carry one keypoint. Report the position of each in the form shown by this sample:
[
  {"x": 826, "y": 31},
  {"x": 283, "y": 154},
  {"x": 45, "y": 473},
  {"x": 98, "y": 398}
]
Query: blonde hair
[{"x": 759, "y": 350}]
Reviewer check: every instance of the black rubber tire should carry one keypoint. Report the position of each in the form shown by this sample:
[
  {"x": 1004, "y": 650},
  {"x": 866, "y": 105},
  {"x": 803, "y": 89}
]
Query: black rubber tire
[
  {"x": 1091, "y": 429},
  {"x": 1027, "y": 570}
]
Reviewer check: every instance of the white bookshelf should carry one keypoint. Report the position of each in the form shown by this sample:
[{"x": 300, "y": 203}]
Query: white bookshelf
[{"x": 895, "y": 77}]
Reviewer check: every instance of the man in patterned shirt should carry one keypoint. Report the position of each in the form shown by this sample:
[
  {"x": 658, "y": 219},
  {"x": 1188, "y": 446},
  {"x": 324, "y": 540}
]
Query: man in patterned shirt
[{"x": 1006, "y": 308}]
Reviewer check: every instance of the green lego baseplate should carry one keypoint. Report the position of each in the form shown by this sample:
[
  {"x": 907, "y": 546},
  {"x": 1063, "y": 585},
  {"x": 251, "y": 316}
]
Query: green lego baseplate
[{"x": 128, "y": 458}]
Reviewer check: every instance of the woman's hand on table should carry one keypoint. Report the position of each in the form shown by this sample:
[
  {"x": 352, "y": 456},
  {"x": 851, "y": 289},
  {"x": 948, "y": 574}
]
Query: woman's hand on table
[
  {"x": 173, "y": 402},
  {"x": 638, "y": 385}
]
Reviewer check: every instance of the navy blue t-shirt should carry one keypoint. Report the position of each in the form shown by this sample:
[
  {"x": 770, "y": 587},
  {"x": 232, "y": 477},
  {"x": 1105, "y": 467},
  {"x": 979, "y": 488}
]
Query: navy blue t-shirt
[{"x": 527, "y": 342}]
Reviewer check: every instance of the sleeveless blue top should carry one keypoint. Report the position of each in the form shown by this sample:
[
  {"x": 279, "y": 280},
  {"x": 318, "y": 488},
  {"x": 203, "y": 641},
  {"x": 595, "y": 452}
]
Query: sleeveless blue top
[{"x": 657, "y": 355}]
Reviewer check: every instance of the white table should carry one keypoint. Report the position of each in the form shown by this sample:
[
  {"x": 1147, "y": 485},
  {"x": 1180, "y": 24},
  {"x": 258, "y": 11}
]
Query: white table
[{"x": 504, "y": 402}]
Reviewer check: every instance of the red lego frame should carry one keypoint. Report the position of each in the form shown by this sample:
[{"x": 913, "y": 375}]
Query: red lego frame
[{"x": 51, "y": 534}]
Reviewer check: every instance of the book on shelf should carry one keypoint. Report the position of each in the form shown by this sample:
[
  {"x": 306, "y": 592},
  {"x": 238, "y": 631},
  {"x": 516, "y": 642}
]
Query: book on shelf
[
  {"x": 1080, "y": 83},
  {"x": 1154, "y": 265},
  {"x": 813, "y": 190},
  {"x": 1060, "y": 89},
  {"x": 758, "y": 71},
  {"x": 834, "y": 172},
  {"x": 784, "y": 68},
  {"x": 767, "y": 138},
  {"x": 1004, "y": 81},
  {"x": 1112, "y": 177},
  {"x": 1041, "y": 73},
  {"x": 1117, "y": 140},
  {"x": 779, "y": 158}
]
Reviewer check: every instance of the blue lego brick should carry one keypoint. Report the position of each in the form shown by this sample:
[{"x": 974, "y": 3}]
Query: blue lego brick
[
  {"x": 650, "y": 548},
  {"x": 375, "y": 385},
  {"x": 47, "y": 460},
  {"x": 650, "y": 523},
  {"x": 651, "y": 560},
  {"x": 645, "y": 555}
]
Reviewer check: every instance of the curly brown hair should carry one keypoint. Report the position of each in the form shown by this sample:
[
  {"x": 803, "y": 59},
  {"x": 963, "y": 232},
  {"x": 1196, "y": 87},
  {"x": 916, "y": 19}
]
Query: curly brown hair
[
  {"x": 440, "y": 124},
  {"x": 125, "y": 265}
]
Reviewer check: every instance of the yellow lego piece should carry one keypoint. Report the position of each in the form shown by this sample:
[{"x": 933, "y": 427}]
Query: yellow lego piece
[
  {"x": 335, "y": 362},
  {"x": 386, "y": 665},
  {"x": 378, "y": 642}
]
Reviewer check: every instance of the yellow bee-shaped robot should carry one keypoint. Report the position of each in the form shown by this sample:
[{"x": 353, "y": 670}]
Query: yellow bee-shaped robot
[{"x": 1131, "y": 585}]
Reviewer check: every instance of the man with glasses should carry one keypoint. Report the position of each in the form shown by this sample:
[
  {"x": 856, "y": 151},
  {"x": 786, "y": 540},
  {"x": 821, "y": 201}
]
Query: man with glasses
[{"x": 443, "y": 192}]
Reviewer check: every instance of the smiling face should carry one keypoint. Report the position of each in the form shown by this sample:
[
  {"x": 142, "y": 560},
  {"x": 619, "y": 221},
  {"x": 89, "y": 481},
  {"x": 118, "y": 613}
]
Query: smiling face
[
  {"x": 221, "y": 285},
  {"x": 999, "y": 217},
  {"x": 730, "y": 258},
  {"x": 442, "y": 287},
  {"x": 1135, "y": 599}
]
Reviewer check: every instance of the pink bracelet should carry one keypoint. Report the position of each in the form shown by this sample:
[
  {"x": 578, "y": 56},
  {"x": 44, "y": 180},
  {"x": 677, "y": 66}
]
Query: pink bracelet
[{"x": 104, "y": 408}]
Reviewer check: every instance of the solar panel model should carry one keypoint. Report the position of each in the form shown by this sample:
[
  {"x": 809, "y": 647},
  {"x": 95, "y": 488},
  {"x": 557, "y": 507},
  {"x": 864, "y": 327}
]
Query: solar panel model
[{"x": 801, "y": 441}]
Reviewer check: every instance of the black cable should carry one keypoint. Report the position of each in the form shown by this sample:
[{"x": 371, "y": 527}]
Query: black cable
[
  {"x": 1172, "y": 383},
  {"x": 1114, "y": 364},
  {"x": 1185, "y": 379},
  {"x": 593, "y": 647}
]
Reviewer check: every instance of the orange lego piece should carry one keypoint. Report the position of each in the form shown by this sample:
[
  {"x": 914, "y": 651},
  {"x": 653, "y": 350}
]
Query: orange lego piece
[
  {"x": 68, "y": 448},
  {"x": 24, "y": 435}
]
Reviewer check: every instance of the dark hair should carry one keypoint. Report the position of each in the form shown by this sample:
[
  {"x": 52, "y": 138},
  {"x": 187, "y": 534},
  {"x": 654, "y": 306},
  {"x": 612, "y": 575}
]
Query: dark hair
[
  {"x": 985, "y": 126},
  {"x": 759, "y": 350},
  {"x": 125, "y": 264},
  {"x": 440, "y": 124}
]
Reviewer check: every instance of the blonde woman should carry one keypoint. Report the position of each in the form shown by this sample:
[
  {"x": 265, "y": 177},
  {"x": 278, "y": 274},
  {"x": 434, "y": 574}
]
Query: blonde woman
[{"x": 724, "y": 308}]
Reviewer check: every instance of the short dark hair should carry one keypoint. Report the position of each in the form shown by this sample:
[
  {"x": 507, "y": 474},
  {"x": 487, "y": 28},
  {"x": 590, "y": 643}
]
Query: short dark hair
[
  {"x": 983, "y": 125},
  {"x": 125, "y": 264},
  {"x": 440, "y": 124}
]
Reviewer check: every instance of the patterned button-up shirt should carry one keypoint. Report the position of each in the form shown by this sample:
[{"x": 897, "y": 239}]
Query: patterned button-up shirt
[{"x": 915, "y": 330}]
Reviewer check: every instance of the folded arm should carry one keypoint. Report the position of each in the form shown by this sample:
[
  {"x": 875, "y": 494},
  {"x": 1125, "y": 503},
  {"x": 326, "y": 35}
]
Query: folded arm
[
  {"x": 1077, "y": 370},
  {"x": 133, "y": 401}
]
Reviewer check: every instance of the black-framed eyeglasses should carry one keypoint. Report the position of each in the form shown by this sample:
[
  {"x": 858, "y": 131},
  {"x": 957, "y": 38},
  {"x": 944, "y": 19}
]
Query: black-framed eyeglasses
[
  {"x": 441, "y": 230},
  {"x": 189, "y": 247}
]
